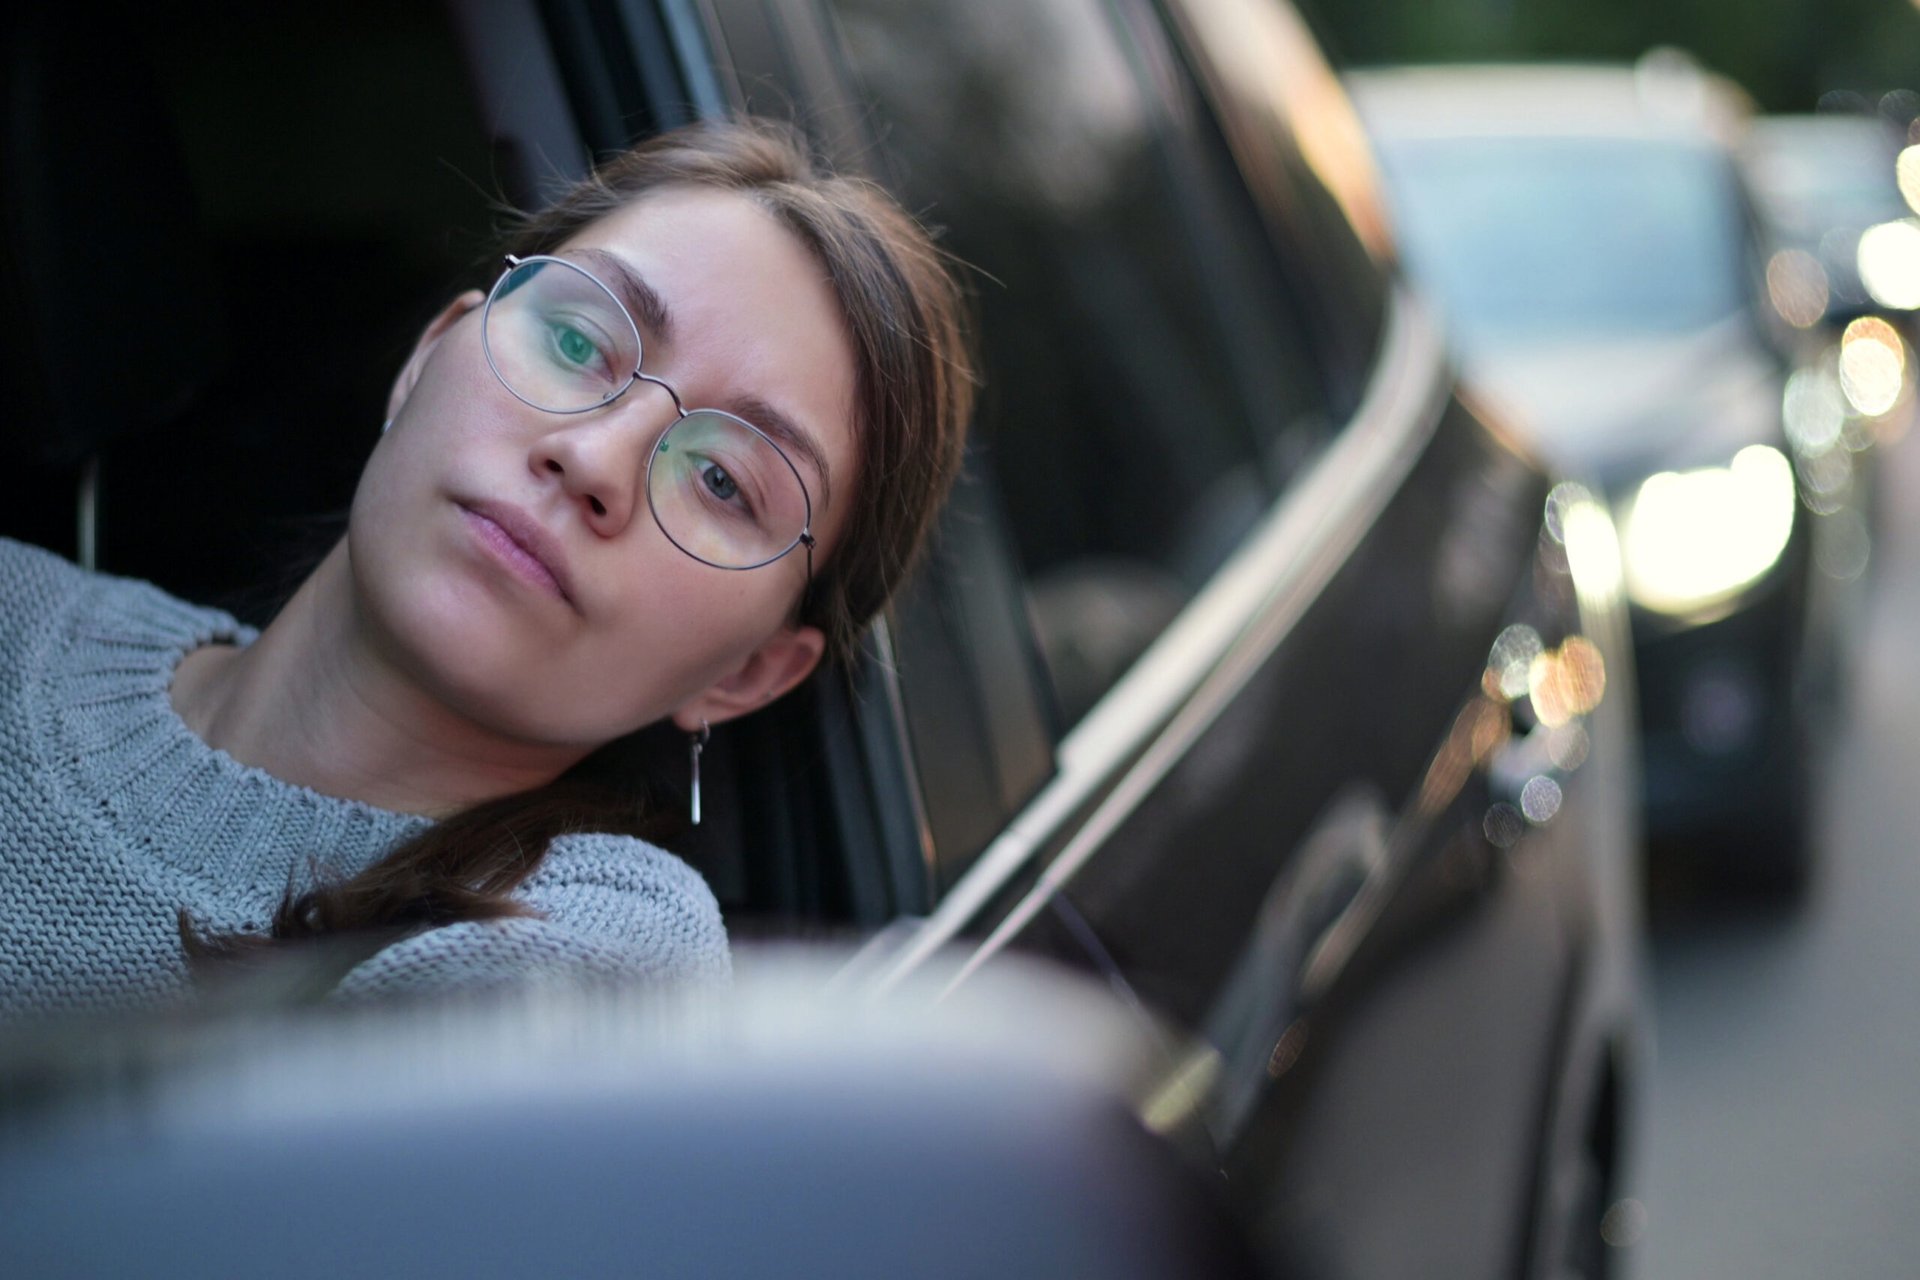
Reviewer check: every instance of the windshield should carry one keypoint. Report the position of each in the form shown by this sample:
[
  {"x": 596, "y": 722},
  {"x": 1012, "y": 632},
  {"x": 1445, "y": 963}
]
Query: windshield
[{"x": 1561, "y": 238}]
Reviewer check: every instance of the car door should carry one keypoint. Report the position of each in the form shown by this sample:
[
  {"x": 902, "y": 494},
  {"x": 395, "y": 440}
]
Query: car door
[{"x": 1270, "y": 559}]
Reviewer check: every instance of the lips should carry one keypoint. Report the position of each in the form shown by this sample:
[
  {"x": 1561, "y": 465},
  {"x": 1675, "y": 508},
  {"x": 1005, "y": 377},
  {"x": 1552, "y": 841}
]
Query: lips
[{"x": 519, "y": 540}]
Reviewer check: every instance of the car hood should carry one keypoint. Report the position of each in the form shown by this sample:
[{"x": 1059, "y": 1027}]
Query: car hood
[{"x": 1616, "y": 409}]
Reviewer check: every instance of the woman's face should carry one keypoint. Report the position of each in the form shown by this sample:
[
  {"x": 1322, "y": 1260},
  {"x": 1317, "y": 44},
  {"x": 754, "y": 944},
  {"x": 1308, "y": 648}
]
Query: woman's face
[{"x": 506, "y": 558}]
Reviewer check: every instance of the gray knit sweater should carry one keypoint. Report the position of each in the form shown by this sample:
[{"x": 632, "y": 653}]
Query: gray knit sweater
[{"x": 114, "y": 814}]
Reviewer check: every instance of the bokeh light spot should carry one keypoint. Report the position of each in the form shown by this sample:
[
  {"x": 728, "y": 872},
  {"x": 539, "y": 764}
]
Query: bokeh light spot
[
  {"x": 1873, "y": 365},
  {"x": 1504, "y": 826},
  {"x": 1540, "y": 799},
  {"x": 1567, "y": 747},
  {"x": 1624, "y": 1223},
  {"x": 1844, "y": 547},
  {"x": 1567, "y": 682},
  {"x": 1814, "y": 410},
  {"x": 1512, "y": 659},
  {"x": 1889, "y": 262},
  {"x": 1827, "y": 480},
  {"x": 1906, "y": 171},
  {"x": 1694, "y": 539},
  {"x": 1797, "y": 287},
  {"x": 1563, "y": 499}
]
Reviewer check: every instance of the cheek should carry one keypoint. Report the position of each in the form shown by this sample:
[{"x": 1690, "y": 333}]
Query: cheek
[
  {"x": 457, "y": 398},
  {"x": 376, "y": 497},
  {"x": 443, "y": 436},
  {"x": 673, "y": 628},
  {"x": 679, "y": 630}
]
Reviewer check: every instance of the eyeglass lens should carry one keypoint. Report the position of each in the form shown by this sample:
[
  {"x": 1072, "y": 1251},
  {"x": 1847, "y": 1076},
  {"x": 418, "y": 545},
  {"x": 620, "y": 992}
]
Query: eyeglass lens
[
  {"x": 720, "y": 490},
  {"x": 558, "y": 339},
  {"x": 724, "y": 493}
]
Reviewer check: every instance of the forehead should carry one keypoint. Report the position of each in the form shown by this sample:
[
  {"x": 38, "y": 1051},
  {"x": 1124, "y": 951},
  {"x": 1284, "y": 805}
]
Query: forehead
[
  {"x": 722, "y": 262},
  {"x": 752, "y": 315}
]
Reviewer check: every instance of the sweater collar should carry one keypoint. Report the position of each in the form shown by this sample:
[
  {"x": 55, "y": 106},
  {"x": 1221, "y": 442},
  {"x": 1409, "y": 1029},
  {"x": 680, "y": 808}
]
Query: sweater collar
[{"x": 123, "y": 752}]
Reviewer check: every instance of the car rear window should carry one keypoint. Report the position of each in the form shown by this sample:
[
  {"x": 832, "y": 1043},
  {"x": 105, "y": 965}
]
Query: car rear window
[{"x": 1530, "y": 238}]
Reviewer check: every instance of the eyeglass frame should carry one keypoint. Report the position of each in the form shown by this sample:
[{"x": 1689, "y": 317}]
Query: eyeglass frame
[{"x": 804, "y": 538}]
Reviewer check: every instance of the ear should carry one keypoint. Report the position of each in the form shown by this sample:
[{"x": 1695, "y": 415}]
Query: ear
[
  {"x": 429, "y": 339},
  {"x": 779, "y": 664}
]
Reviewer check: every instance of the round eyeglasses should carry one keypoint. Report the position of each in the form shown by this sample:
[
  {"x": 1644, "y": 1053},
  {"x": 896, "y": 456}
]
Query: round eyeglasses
[{"x": 718, "y": 486}]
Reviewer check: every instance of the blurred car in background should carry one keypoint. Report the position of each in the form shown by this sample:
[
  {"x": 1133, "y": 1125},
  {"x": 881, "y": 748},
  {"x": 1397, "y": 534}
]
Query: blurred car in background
[
  {"x": 1843, "y": 235},
  {"x": 1837, "y": 195},
  {"x": 1254, "y": 672},
  {"x": 1588, "y": 233}
]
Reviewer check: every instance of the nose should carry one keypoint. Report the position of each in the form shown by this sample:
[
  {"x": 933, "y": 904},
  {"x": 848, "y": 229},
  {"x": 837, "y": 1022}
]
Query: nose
[{"x": 599, "y": 459}]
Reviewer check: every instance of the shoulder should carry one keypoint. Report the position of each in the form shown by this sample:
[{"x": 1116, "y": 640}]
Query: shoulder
[
  {"x": 612, "y": 909},
  {"x": 630, "y": 894},
  {"x": 37, "y": 588},
  {"x": 38, "y": 592},
  {"x": 33, "y": 576},
  {"x": 596, "y": 879}
]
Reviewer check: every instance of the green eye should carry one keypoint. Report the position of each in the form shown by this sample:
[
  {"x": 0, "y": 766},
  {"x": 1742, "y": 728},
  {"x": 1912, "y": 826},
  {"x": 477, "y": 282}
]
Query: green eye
[{"x": 576, "y": 346}]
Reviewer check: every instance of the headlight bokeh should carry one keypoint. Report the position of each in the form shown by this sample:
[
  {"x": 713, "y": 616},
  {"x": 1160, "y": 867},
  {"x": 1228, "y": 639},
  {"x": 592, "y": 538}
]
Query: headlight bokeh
[
  {"x": 1889, "y": 262},
  {"x": 1873, "y": 366},
  {"x": 1694, "y": 540}
]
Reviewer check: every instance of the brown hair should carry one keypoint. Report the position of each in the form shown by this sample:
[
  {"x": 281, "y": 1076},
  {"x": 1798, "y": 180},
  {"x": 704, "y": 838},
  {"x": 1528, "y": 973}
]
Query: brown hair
[{"x": 913, "y": 395}]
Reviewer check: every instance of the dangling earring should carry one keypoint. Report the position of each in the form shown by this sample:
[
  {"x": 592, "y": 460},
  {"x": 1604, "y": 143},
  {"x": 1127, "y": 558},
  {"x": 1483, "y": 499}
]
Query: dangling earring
[
  {"x": 697, "y": 741},
  {"x": 386, "y": 426}
]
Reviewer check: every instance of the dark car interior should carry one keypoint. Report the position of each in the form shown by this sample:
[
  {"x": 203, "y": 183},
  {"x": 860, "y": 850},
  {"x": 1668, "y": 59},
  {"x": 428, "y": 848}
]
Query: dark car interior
[{"x": 215, "y": 269}]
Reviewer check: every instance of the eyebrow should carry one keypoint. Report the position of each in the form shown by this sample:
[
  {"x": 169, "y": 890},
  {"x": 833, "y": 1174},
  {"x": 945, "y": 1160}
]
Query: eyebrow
[
  {"x": 636, "y": 295},
  {"x": 644, "y": 301},
  {"x": 788, "y": 435}
]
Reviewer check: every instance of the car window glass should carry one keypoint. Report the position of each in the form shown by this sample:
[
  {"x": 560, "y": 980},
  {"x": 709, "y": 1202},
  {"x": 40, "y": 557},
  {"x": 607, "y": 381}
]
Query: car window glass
[
  {"x": 1145, "y": 395},
  {"x": 1306, "y": 158}
]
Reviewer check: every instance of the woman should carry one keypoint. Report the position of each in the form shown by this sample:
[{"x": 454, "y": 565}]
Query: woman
[{"x": 679, "y": 453}]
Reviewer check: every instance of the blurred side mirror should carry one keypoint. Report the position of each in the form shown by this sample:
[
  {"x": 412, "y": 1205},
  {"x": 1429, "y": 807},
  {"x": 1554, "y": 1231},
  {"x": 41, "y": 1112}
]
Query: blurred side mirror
[{"x": 773, "y": 1132}]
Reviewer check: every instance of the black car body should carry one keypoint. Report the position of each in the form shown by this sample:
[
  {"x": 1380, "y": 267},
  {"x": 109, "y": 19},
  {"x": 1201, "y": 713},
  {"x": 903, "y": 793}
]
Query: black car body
[
  {"x": 1589, "y": 232},
  {"x": 1255, "y": 671}
]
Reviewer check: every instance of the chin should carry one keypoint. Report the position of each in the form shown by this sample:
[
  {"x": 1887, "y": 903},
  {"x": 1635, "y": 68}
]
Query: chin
[{"x": 457, "y": 639}]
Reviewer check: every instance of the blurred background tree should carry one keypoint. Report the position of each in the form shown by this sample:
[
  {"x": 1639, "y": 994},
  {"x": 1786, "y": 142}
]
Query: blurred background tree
[{"x": 1786, "y": 53}]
